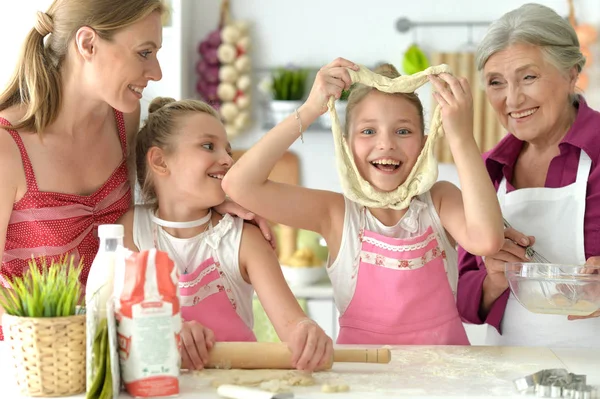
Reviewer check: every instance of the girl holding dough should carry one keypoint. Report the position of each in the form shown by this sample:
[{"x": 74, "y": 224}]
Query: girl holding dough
[
  {"x": 393, "y": 270},
  {"x": 182, "y": 153}
]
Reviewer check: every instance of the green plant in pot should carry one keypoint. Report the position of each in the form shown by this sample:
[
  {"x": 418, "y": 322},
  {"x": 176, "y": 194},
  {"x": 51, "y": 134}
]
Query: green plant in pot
[
  {"x": 43, "y": 330},
  {"x": 286, "y": 87}
]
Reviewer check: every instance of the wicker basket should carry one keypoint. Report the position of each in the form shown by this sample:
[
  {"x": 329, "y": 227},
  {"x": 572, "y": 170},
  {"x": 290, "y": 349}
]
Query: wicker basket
[{"x": 48, "y": 354}]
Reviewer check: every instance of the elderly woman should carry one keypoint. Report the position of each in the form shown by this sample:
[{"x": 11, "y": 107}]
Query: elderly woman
[{"x": 546, "y": 173}]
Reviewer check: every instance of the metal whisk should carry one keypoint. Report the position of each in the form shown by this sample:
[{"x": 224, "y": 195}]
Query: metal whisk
[
  {"x": 534, "y": 256},
  {"x": 529, "y": 251}
]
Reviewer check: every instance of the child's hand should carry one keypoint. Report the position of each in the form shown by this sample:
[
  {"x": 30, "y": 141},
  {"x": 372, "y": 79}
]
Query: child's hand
[
  {"x": 456, "y": 104},
  {"x": 310, "y": 346},
  {"x": 234, "y": 209},
  {"x": 196, "y": 341},
  {"x": 330, "y": 81}
]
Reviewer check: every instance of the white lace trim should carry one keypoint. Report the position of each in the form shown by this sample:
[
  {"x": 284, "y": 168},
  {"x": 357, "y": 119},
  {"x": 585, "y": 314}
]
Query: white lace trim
[
  {"x": 210, "y": 288},
  {"x": 400, "y": 248},
  {"x": 401, "y": 264},
  {"x": 196, "y": 281},
  {"x": 204, "y": 292}
]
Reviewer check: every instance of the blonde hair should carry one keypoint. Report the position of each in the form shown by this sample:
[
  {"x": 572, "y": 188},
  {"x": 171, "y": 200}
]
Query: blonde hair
[
  {"x": 359, "y": 91},
  {"x": 158, "y": 131},
  {"x": 36, "y": 81}
]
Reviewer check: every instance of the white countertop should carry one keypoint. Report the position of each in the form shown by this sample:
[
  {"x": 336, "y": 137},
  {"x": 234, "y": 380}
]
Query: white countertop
[
  {"x": 426, "y": 371},
  {"x": 319, "y": 290}
]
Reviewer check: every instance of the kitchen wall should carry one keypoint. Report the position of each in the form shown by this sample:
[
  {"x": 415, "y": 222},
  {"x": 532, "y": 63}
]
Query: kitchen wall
[
  {"x": 311, "y": 33},
  {"x": 13, "y": 31},
  {"x": 314, "y": 32}
]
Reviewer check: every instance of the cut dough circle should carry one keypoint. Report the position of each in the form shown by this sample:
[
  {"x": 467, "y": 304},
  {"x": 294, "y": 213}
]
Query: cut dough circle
[{"x": 334, "y": 388}]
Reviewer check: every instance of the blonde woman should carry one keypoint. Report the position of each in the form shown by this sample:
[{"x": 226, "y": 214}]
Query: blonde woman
[{"x": 68, "y": 115}]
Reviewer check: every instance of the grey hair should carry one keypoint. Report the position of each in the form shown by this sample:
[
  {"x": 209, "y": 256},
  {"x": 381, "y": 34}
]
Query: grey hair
[{"x": 536, "y": 25}]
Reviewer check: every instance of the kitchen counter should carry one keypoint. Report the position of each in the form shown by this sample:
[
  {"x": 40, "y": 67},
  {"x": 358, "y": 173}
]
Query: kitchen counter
[
  {"x": 320, "y": 290},
  {"x": 418, "y": 371}
]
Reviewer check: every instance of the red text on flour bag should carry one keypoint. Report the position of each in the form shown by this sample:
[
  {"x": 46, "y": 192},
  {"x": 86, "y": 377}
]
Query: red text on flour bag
[{"x": 149, "y": 323}]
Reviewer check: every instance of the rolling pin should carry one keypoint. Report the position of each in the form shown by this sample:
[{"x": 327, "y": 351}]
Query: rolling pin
[{"x": 273, "y": 355}]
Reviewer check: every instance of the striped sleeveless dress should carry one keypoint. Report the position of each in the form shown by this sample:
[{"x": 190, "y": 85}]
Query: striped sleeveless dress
[{"x": 53, "y": 224}]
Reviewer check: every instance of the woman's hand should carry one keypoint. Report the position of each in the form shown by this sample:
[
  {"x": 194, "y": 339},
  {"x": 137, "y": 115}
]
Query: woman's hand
[
  {"x": 513, "y": 250},
  {"x": 456, "y": 102},
  {"x": 232, "y": 208},
  {"x": 593, "y": 261},
  {"x": 196, "y": 341},
  {"x": 329, "y": 82},
  {"x": 310, "y": 346}
]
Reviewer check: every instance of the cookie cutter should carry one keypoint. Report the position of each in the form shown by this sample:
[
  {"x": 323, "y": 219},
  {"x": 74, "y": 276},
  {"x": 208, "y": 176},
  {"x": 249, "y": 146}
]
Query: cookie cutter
[{"x": 556, "y": 383}]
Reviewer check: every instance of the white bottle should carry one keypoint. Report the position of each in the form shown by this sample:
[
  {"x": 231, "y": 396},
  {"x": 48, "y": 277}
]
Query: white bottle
[
  {"x": 99, "y": 287},
  {"x": 101, "y": 278}
]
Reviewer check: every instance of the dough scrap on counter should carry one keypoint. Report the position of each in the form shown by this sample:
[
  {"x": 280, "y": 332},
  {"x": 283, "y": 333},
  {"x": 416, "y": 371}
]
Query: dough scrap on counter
[
  {"x": 269, "y": 380},
  {"x": 275, "y": 386},
  {"x": 334, "y": 388},
  {"x": 425, "y": 171}
]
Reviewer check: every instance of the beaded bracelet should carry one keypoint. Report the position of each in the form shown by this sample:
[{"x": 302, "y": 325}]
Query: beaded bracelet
[{"x": 300, "y": 124}]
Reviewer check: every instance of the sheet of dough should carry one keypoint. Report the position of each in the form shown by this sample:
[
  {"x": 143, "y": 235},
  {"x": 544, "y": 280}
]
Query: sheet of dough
[
  {"x": 422, "y": 176},
  {"x": 269, "y": 380}
]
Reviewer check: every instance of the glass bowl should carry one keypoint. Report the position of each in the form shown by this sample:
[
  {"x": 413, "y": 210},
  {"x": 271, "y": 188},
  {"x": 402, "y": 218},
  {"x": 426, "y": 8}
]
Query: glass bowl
[{"x": 550, "y": 288}]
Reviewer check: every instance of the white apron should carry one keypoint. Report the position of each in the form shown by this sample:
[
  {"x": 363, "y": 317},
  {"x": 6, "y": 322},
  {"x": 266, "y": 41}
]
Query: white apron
[{"x": 554, "y": 216}]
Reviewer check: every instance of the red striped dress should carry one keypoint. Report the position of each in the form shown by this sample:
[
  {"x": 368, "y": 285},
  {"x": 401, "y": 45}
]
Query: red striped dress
[{"x": 53, "y": 224}]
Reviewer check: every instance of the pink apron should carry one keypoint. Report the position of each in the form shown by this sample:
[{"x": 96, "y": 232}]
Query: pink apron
[
  {"x": 402, "y": 294},
  {"x": 205, "y": 298}
]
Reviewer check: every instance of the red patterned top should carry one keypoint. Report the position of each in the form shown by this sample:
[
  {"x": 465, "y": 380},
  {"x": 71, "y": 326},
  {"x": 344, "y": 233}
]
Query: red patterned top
[{"x": 54, "y": 224}]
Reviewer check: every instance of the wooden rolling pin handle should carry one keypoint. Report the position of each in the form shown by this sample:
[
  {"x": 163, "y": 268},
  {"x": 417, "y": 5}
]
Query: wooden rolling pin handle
[
  {"x": 381, "y": 355},
  {"x": 249, "y": 355},
  {"x": 266, "y": 355}
]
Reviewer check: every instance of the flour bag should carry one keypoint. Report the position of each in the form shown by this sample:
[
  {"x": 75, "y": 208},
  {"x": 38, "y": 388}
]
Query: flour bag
[{"x": 149, "y": 324}]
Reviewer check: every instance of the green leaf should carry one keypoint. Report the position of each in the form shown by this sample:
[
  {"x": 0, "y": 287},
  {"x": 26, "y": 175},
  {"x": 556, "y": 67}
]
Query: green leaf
[
  {"x": 44, "y": 291},
  {"x": 414, "y": 60},
  {"x": 9, "y": 301},
  {"x": 288, "y": 84}
]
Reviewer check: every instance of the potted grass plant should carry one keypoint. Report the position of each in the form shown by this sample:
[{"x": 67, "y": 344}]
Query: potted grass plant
[
  {"x": 43, "y": 330},
  {"x": 285, "y": 87}
]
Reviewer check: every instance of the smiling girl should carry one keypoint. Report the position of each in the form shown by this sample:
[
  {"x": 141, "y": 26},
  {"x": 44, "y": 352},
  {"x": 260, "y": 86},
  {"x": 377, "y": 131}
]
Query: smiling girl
[
  {"x": 393, "y": 272},
  {"x": 182, "y": 155}
]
